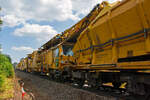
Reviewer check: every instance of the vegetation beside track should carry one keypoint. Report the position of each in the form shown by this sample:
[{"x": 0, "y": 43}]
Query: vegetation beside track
[{"x": 6, "y": 77}]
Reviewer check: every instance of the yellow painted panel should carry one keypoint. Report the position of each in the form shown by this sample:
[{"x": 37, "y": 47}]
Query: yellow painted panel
[
  {"x": 84, "y": 41},
  {"x": 123, "y": 7},
  {"x": 137, "y": 47},
  {"x": 146, "y": 5},
  {"x": 34, "y": 59},
  {"x": 85, "y": 57},
  {"x": 49, "y": 57},
  {"x": 103, "y": 57},
  {"x": 127, "y": 22},
  {"x": 100, "y": 32},
  {"x": 76, "y": 47}
]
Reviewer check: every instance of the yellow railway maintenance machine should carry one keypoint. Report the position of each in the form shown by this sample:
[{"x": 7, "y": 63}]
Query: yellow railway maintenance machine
[
  {"x": 20, "y": 65},
  {"x": 57, "y": 59},
  {"x": 116, "y": 47},
  {"x": 54, "y": 54},
  {"x": 110, "y": 45},
  {"x": 35, "y": 62}
]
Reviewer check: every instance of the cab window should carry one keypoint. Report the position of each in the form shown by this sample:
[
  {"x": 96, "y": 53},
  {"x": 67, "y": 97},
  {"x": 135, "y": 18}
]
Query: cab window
[{"x": 56, "y": 52}]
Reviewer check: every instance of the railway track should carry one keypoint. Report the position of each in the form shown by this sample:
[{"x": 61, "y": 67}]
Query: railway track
[{"x": 119, "y": 94}]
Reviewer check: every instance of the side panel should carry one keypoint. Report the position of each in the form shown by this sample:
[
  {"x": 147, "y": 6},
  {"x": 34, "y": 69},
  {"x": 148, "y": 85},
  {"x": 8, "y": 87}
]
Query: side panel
[
  {"x": 126, "y": 21},
  {"x": 56, "y": 59},
  {"x": 119, "y": 33},
  {"x": 49, "y": 58},
  {"x": 100, "y": 33},
  {"x": 84, "y": 41}
]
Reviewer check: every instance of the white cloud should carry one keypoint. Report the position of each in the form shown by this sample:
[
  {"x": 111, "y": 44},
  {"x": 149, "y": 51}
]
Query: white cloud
[
  {"x": 85, "y": 6},
  {"x": 1, "y": 49},
  {"x": 39, "y": 10},
  {"x": 42, "y": 33},
  {"x": 48, "y": 10},
  {"x": 20, "y": 52},
  {"x": 23, "y": 48},
  {"x": 12, "y": 20}
]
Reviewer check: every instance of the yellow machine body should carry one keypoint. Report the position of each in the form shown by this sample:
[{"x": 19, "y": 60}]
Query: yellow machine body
[
  {"x": 55, "y": 59},
  {"x": 109, "y": 45},
  {"x": 36, "y": 63},
  {"x": 119, "y": 31},
  {"x": 23, "y": 64}
]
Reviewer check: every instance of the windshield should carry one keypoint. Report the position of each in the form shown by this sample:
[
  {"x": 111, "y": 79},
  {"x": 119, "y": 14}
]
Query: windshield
[
  {"x": 67, "y": 50},
  {"x": 56, "y": 52}
]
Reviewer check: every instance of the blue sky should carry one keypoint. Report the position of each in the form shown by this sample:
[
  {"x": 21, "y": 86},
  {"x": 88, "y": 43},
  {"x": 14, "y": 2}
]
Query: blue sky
[{"x": 30, "y": 23}]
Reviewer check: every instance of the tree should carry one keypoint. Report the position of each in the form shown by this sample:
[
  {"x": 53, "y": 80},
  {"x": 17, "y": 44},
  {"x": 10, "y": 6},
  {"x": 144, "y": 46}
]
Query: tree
[
  {"x": 1, "y": 22},
  {"x": 8, "y": 56},
  {"x": 0, "y": 48},
  {"x": 6, "y": 67}
]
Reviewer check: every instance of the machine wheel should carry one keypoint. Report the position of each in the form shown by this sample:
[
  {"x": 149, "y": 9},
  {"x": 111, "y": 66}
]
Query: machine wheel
[
  {"x": 81, "y": 82},
  {"x": 116, "y": 84},
  {"x": 148, "y": 97},
  {"x": 51, "y": 76}
]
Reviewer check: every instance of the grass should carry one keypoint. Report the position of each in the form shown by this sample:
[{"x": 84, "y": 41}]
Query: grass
[
  {"x": 2, "y": 80},
  {"x": 7, "y": 89},
  {"x": 6, "y": 78},
  {"x": 6, "y": 68}
]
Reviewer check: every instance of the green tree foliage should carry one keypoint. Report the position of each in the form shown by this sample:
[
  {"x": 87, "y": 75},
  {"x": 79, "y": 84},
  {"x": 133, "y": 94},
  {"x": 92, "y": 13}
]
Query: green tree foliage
[
  {"x": 1, "y": 22},
  {"x": 6, "y": 68},
  {"x": 2, "y": 80},
  {"x": 8, "y": 58}
]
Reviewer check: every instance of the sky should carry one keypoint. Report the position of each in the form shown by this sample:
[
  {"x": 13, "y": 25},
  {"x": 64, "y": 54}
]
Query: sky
[{"x": 27, "y": 24}]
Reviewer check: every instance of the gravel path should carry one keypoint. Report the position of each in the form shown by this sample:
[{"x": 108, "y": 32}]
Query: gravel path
[{"x": 43, "y": 89}]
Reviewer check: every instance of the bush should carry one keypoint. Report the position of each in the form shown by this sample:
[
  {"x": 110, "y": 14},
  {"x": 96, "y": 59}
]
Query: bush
[
  {"x": 3, "y": 58},
  {"x": 2, "y": 80},
  {"x": 6, "y": 69}
]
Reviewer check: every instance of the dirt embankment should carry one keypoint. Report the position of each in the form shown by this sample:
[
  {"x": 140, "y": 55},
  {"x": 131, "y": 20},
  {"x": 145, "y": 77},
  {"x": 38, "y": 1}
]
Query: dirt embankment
[
  {"x": 43, "y": 89},
  {"x": 18, "y": 91}
]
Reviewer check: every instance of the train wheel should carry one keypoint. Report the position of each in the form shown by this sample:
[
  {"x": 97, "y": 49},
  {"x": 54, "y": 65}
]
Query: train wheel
[
  {"x": 148, "y": 97},
  {"x": 81, "y": 82},
  {"x": 116, "y": 84},
  {"x": 147, "y": 92},
  {"x": 51, "y": 76},
  {"x": 130, "y": 98},
  {"x": 95, "y": 86}
]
